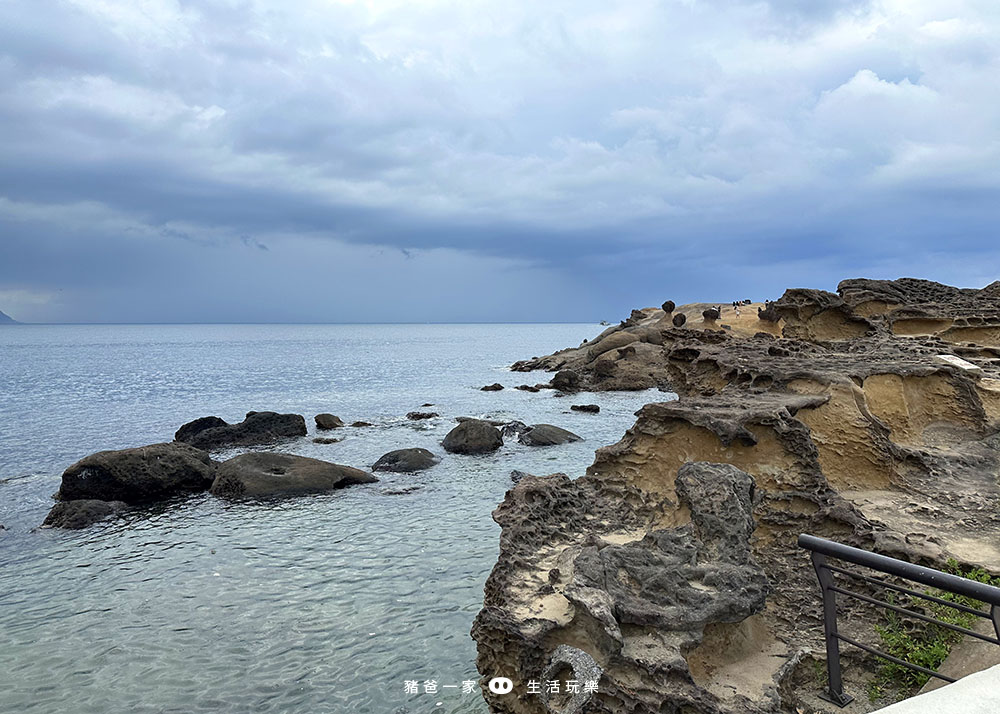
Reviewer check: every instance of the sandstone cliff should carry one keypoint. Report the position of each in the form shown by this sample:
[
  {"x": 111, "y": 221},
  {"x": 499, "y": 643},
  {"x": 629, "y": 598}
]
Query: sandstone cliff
[{"x": 869, "y": 416}]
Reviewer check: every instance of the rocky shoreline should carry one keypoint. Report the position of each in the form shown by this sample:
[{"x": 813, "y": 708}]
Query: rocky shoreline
[{"x": 870, "y": 416}]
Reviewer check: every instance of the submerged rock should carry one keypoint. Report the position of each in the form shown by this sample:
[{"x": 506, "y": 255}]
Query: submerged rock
[
  {"x": 546, "y": 435},
  {"x": 472, "y": 436},
  {"x": 256, "y": 429},
  {"x": 358, "y": 424},
  {"x": 326, "y": 440},
  {"x": 328, "y": 421},
  {"x": 495, "y": 387},
  {"x": 588, "y": 408},
  {"x": 528, "y": 388},
  {"x": 141, "y": 475},
  {"x": 406, "y": 461},
  {"x": 266, "y": 474},
  {"x": 81, "y": 513},
  {"x": 417, "y": 416}
]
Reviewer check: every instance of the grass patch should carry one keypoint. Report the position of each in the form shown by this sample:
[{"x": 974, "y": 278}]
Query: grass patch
[{"x": 926, "y": 644}]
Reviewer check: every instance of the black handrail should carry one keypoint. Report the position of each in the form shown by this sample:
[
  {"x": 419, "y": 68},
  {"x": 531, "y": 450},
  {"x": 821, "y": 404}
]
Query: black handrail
[{"x": 821, "y": 548}]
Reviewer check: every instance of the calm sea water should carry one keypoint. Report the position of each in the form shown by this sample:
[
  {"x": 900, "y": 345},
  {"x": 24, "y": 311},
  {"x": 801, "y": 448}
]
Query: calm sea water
[{"x": 318, "y": 604}]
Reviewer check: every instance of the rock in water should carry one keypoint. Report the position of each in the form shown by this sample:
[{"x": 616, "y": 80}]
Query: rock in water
[
  {"x": 258, "y": 428},
  {"x": 679, "y": 319},
  {"x": 417, "y": 416},
  {"x": 328, "y": 421},
  {"x": 472, "y": 436},
  {"x": 517, "y": 476},
  {"x": 406, "y": 461},
  {"x": 546, "y": 435},
  {"x": 142, "y": 475},
  {"x": 326, "y": 440},
  {"x": 80, "y": 513},
  {"x": 566, "y": 380},
  {"x": 495, "y": 387},
  {"x": 266, "y": 474},
  {"x": 589, "y": 408}
]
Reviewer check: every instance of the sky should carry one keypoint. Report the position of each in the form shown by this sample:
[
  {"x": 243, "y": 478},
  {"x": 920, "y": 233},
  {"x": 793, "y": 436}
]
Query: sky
[{"x": 465, "y": 161}]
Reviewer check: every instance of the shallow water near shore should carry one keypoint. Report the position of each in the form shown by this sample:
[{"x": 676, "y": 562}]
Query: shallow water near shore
[{"x": 318, "y": 604}]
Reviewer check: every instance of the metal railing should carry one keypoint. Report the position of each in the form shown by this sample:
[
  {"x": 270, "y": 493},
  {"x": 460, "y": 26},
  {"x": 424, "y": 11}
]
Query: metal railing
[{"x": 821, "y": 549}]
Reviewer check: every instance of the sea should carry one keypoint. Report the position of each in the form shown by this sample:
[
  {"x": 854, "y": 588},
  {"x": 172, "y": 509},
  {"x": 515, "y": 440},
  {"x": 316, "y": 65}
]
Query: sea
[{"x": 358, "y": 601}]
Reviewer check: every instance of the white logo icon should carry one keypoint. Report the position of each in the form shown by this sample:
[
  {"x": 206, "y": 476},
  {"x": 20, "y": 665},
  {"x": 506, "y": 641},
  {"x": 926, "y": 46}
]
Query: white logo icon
[{"x": 501, "y": 685}]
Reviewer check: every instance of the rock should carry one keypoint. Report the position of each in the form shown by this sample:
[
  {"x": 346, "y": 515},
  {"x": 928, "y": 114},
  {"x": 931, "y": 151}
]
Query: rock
[
  {"x": 328, "y": 421},
  {"x": 191, "y": 429},
  {"x": 528, "y": 388},
  {"x": 513, "y": 430},
  {"x": 710, "y": 314},
  {"x": 142, "y": 475},
  {"x": 516, "y": 475},
  {"x": 566, "y": 379},
  {"x": 426, "y": 404},
  {"x": 491, "y": 422},
  {"x": 268, "y": 474},
  {"x": 472, "y": 437},
  {"x": 361, "y": 423},
  {"x": 679, "y": 319},
  {"x": 589, "y": 408},
  {"x": 495, "y": 387},
  {"x": 546, "y": 435},
  {"x": 406, "y": 461},
  {"x": 416, "y": 416},
  {"x": 669, "y": 306},
  {"x": 256, "y": 429},
  {"x": 80, "y": 513},
  {"x": 768, "y": 313},
  {"x": 326, "y": 440}
]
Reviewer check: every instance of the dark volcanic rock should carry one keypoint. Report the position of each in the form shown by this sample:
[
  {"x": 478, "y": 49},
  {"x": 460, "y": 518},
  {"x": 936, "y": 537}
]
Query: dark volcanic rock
[
  {"x": 142, "y": 475},
  {"x": 258, "y": 428},
  {"x": 669, "y": 306},
  {"x": 546, "y": 435},
  {"x": 589, "y": 408},
  {"x": 472, "y": 437},
  {"x": 193, "y": 428},
  {"x": 328, "y": 421},
  {"x": 711, "y": 314},
  {"x": 80, "y": 513},
  {"x": 361, "y": 423},
  {"x": 266, "y": 474},
  {"x": 566, "y": 379},
  {"x": 528, "y": 388},
  {"x": 406, "y": 461},
  {"x": 679, "y": 319},
  {"x": 495, "y": 387},
  {"x": 417, "y": 416},
  {"x": 326, "y": 440}
]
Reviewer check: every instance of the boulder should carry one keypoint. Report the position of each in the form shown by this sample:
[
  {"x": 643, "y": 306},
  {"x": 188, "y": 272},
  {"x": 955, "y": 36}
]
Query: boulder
[
  {"x": 546, "y": 435},
  {"x": 711, "y": 313},
  {"x": 417, "y": 416},
  {"x": 328, "y": 421},
  {"x": 406, "y": 461},
  {"x": 142, "y": 475},
  {"x": 326, "y": 440},
  {"x": 679, "y": 319},
  {"x": 267, "y": 474},
  {"x": 257, "y": 428},
  {"x": 495, "y": 387},
  {"x": 566, "y": 379},
  {"x": 472, "y": 436},
  {"x": 668, "y": 306},
  {"x": 491, "y": 422},
  {"x": 80, "y": 513},
  {"x": 516, "y": 476},
  {"x": 588, "y": 408},
  {"x": 528, "y": 388},
  {"x": 361, "y": 423}
]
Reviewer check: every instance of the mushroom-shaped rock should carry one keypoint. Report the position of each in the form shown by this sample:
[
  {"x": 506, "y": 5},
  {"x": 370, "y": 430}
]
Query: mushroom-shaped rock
[
  {"x": 668, "y": 306},
  {"x": 257, "y": 428},
  {"x": 328, "y": 421},
  {"x": 472, "y": 436},
  {"x": 406, "y": 461},
  {"x": 495, "y": 387},
  {"x": 80, "y": 513},
  {"x": 679, "y": 319},
  {"x": 142, "y": 475},
  {"x": 267, "y": 474},
  {"x": 546, "y": 435},
  {"x": 711, "y": 313}
]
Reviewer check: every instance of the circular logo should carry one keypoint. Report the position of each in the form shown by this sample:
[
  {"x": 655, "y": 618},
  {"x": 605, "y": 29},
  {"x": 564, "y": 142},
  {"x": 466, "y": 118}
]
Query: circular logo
[{"x": 501, "y": 685}]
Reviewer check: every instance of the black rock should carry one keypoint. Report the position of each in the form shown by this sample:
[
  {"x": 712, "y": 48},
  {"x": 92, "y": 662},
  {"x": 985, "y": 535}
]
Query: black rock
[
  {"x": 268, "y": 474},
  {"x": 361, "y": 423},
  {"x": 80, "y": 513},
  {"x": 711, "y": 314},
  {"x": 516, "y": 475},
  {"x": 472, "y": 436},
  {"x": 668, "y": 306},
  {"x": 326, "y": 440},
  {"x": 257, "y": 428},
  {"x": 328, "y": 421},
  {"x": 416, "y": 416},
  {"x": 679, "y": 319},
  {"x": 546, "y": 435},
  {"x": 495, "y": 387},
  {"x": 589, "y": 408},
  {"x": 193, "y": 428},
  {"x": 406, "y": 461},
  {"x": 528, "y": 388},
  {"x": 566, "y": 379}
]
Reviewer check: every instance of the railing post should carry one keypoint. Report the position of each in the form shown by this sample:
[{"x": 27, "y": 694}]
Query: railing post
[{"x": 835, "y": 690}]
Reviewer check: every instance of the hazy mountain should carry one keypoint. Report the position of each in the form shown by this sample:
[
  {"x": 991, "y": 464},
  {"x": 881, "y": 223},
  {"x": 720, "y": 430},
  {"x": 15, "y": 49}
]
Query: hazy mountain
[{"x": 7, "y": 320}]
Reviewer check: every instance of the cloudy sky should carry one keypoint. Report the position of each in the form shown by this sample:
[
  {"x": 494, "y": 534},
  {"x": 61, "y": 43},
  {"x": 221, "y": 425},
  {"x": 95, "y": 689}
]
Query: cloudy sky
[{"x": 472, "y": 160}]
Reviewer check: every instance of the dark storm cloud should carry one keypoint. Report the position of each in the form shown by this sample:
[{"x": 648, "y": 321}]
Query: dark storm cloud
[{"x": 159, "y": 158}]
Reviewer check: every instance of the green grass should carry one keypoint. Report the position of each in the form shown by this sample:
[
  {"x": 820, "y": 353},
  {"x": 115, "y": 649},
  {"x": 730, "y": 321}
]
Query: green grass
[{"x": 928, "y": 644}]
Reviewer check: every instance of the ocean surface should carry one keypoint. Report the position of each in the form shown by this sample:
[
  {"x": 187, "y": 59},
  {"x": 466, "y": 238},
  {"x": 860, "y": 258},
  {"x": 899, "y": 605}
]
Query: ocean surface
[{"x": 318, "y": 604}]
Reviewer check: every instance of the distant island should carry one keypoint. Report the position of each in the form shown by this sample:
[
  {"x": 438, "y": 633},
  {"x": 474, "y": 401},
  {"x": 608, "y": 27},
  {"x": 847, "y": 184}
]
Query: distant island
[{"x": 7, "y": 320}]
